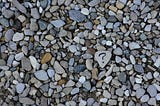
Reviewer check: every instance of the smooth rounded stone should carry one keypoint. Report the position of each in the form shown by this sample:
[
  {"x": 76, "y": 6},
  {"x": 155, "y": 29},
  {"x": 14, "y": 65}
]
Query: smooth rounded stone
[
  {"x": 122, "y": 77},
  {"x": 12, "y": 45},
  {"x": 157, "y": 63},
  {"x": 20, "y": 87},
  {"x": 60, "y": 2},
  {"x": 90, "y": 101},
  {"x": 108, "y": 79},
  {"x": 33, "y": 26},
  {"x": 152, "y": 101},
  {"x": 85, "y": 11},
  {"x": 28, "y": 32},
  {"x": 148, "y": 28},
  {"x": 89, "y": 64},
  {"x": 82, "y": 79},
  {"x": 58, "y": 23},
  {"x": 44, "y": 3},
  {"x": 144, "y": 98},
  {"x": 119, "y": 92},
  {"x": 119, "y": 5},
  {"x": 70, "y": 83},
  {"x": 88, "y": 25},
  {"x": 133, "y": 16},
  {"x": 103, "y": 57},
  {"x": 158, "y": 96},
  {"x": 50, "y": 73},
  {"x": 74, "y": 91},
  {"x": 112, "y": 102},
  {"x": 33, "y": 62},
  {"x": 149, "y": 75},
  {"x": 26, "y": 100},
  {"x": 34, "y": 13},
  {"x": 109, "y": 25},
  {"x": 140, "y": 92},
  {"x": 7, "y": 13},
  {"x": 46, "y": 58},
  {"x": 152, "y": 90},
  {"x": 103, "y": 100},
  {"x": 19, "y": 6},
  {"x": 118, "y": 59},
  {"x": 77, "y": 15},
  {"x": 117, "y": 51},
  {"x": 156, "y": 50},
  {"x": 132, "y": 59},
  {"x": 134, "y": 45},
  {"x": 26, "y": 65},
  {"x": 87, "y": 85},
  {"x": 138, "y": 68},
  {"x": 58, "y": 68},
  {"x": 4, "y": 22},
  {"x": 19, "y": 56},
  {"x": 41, "y": 75},
  {"x": 137, "y": 2},
  {"x": 143, "y": 36},
  {"x": 73, "y": 48},
  {"x": 93, "y": 3},
  {"x": 79, "y": 68},
  {"x": 42, "y": 24},
  {"x": 18, "y": 36},
  {"x": 2, "y": 62}
]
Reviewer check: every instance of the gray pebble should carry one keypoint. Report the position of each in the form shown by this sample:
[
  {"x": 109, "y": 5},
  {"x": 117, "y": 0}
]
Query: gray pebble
[
  {"x": 20, "y": 87},
  {"x": 119, "y": 92},
  {"x": 156, "y": 50},
  {"x": 44, "y": 3},
  {"x": 76, "y": 15},
  {"x": 152, "y": 90},
  {"x": 26, "y": 65},
  {"x": 93, "y": 3},
  {"x": 41, "y": 75},
  {"x": 7, "y": 13},
  {"x": 34, "y": 13},
  {"x": 122, "y": 77},
  {"x": 19, "y": 6},
  {"x": 143, "y": 36},
  {"x": 138, "y": 68},
  {"x": 4, "y": 22},
  {"x": 79, "y": 68},
  {"x": 58, "y": 23},
  {"x": 117, "y": 51},
  {"x": 8, "y": 35},
  {"x": 88, "y": 25},
  {"x": 42, "y": 24},
  {"x": 140, "y": 92},
  {"x": 87, "y": 85},
  {"x": 74, "y": 91}
]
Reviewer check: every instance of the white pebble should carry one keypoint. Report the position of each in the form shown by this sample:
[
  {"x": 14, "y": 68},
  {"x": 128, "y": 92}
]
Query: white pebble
[
  {"x": 82, "y": 79},
  {"x": 85, "y": 11}
]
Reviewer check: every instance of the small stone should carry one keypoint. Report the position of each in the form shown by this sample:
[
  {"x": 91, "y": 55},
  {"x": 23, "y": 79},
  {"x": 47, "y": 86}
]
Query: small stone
[
  {"x": 33, "y": 62},
  {"x": 85, "y": 11},
  {"x": 7, "y": 13},
  {"x": 46, "y": 58},
  {"x": 70, "y": 83},
  {"x": 19, "y": 6},
  {"x": 156, "y": 50},
  {"x": 90, "y": 101},
  {"x": 118, "y": 59},
  {"x": 158, "y": 96},
  {"x": 152, "y": 90},
  {"x": 132, "y": 59},
  {"x": 109, "y": 25},
  {"x": 93, "y": 3},
  {"x": 89, "y": 64},
  {"x": 33, "y": 26},
  {"x": 133, "y": 16},
  {"x": 103, "y": 57},
  {"x": 103, "y": 100},
  {"x": 117, "y": 51},
  {"x": 41, "y": 75},
  {"x": 18, "y": 36},
  {"x": 50, "y": 73},
  {"x": 140, "y": 92},
  {"x": 87, "y": 85},
  {"x": 34, "y": 13},
  {"x": 119, "y": 92},
  {"x": 58, "y": 23},
  {"x": 79, "y": 68},
  {"x": 82, "y": 79},
  {"x": 26, "y": 100},
  {"x": 147, "y": 28},
  {"x": 76, "y": 15},
  {"x": 8, "y": 35},
  {"x": 58, "y": 68},
  {"x": 137, "y": 2},
  {"x": 20, "y": 87},
  {"x": 108, "y": 79},
  {"x": 144, "y": 98},
  {"x": 19, "y": 56},
  {"x": 26, "y": 65},
  {"x": 74, "y": 91},
  {"x": 112, "y": 102},
  {"x": 62, "y": 81},
  {"x": 28, "y": 32},
  {"x": 42, "y": 24},
  {"x": 119, "y": 5},
  {"x": 138, "y": 68},
  {"x": 134, "y": 45},
  {"x": 88, "y": 25},
  {"x": 60, "y": 2},
  {"x": 73, "y": 48},
  {"x": 44, "y": 3},
  {"x": 143, "y": 37},
  {"x": 152, "y": 101},
  {"x": 122, "y": 77},
  {"x": 4, "y": 22}
]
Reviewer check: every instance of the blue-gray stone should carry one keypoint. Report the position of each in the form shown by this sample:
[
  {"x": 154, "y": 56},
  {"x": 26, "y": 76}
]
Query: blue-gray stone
[
  {"x": 122, "y": 77},
  {"x": 138, "y": 68},
  {"x": 42, "y": 24},
  {"x": 76, "y": 15},
  {"x": 156, "y": 50},
  {"x": 4, "y": 22},
  {"x": 79, "y": 68}
]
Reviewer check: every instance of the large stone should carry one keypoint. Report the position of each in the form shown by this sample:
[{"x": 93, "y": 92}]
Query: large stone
[{"x": 19, "y": 6}]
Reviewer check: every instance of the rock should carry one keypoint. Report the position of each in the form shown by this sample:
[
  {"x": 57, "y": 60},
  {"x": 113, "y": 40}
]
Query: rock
[
  {"x": 26, "y": 100},
  {"x": 85, "y": 11},
  {"x": 28, "y": 32},
  {"x": 152, "y": 90},
  {"x": 79, "y": 68},
  {"x": 132, "y": 59},
  {"x": 144, "y": 98},
  {"x": 46, "y": 58},
  {"x": 152, "y": 101},
  {"x": 7, "y": 13},
  {"x": 87, "y": 85},
  {"x": 133, "y": 16},
  {"x": 158, "y": 96},
  {"x": 34, "y": 13},
  {"x": 143, "y": 37},
  {"x": 8, "y": 35},
  {"x": 90, "y": 101},
  {"x": 133, "y": 45},
  {"x": 156, "y": 50},
  {"x": 33, "y": 26},
  {"x": 44, "y": 3},
  {"x": 76, "y": 15},
  {"x": 119, "y": 92},
  {"x": 157, "y": 63},
  {"x": 42, "y": 24},
  {"x": 82, "y": 79},
  {"x": 122, "y": 77},
  {"x": 138, "y": 68},
  {"x": 147, "y": 28},
  {"x": 73, "y": 48},
  {"x": 19, "y": 56},
  {"x": 74, "y": 91},
  {"x": 50, "y": 73},
  {"x": 103, "y": 100},
  {"x": 70, "y": 83},
  {"x": 33, "y": 62},
  {"x": 118, "y": 59},
  {"x": 19, "y": 6},
  {"x": 93, "y": 3},
  {"x": 26, "y": 65},
  {"x": 20, "y": 87},
  {"x": 18, "y": 36},
  {"x": 60, "y": 2},
  {"x": 140, "y": 92},
  {"x": 117, "y": 51},
  {"x": 58, "y": 23},
  {"x": 58, "y": 68},
  {"x": 41, "y": 75},
  {"x": 4, "y": 22},
  {"x": 89, "y": 64},
  {"x": 103, "y": 57},
  {"x": 112, "y": 102},
  {"x": 119, "y": 5},
  {"x": 137, "y": 2}
]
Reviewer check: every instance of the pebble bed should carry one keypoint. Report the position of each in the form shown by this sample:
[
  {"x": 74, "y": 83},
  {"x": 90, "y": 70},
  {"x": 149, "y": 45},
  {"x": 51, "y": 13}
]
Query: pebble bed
[{"x": 79, "y": 52}]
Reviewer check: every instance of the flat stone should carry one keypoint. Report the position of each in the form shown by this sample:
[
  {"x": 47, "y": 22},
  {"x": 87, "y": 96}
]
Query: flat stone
[
  {"x": 74, "y": 91},
  {"x": 143, "y": 37},
  {"x": 103, "y": 57},
  {"x": 41, "y": 75},
  {"x": 144, "y": 98},
  {"x": 42, "y": 24},
  {"x": 87, "y": 85},
  {"x": 4, "y": 22},
  {"x": 8, "y": 35},
  {"x": 148, "y": 28},
  {"x": 117, "y": 51},
  {"x": 133, "y": 16},
  {"x": 93, "y": 3},
  {"x": 79, "y": 68},
  {"x": 73, "y": 48},
  {"x": 152, "y": 101},
  {"x": 103, "y": 100},
  {"x": 7, "y": 13},
  {"x": 137, "y": 2},
  {"x": 70, "y": 83},
  {"x": 119, "y": 92},
  {"x": 60, "y": 2},
  {"x": 132, "y": 59},
  {"x": 34, "y": 13},
  {"x": 156, "y": 50},
  {"x": 133, "y": 45},
  {"x": 157, "y": 63},
  {"x": 20, "y": 87},
  {"x": 18, "y": 36},
  {"x": 118, "y": 59},
  {"x": 76, "y": 15},
  {"x": 119, "y": 5},
  {"x": 90, "y": 101},
  {"x": 138, "y": 68},
  {"x": 158, "y": 96},
  {"x": 82, "y": 79},
  {"x": 28, "y": 32},
  {"x": 58, "y": 68},
  {"x": 33, "y": 26},
  {"x": 58, "y": 23},
  {"x": 51, "y": 73},
  {"x": 26, "y": 100},
  {"x": 33, "y": 61},
  {"x": 26, "y": 65},
  {"x": 46, "y": 58},
  {"x": 88, "y": 25},
  {"x": 112, "y": 102},
  {"x": 140, "y": 92},
  {"x": 85, "y": 11},
  {"x": 152, "y": 90},
  {"x": 19, "y": 6},
  {"x": 122, "y": 77},
  {"x": 19, "y": 56}
]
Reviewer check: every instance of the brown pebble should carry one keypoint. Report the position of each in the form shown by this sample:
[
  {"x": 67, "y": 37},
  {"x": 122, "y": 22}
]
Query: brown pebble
[
  {"x": 62, "y": 81},
  {"x": 46, "y": 58}
]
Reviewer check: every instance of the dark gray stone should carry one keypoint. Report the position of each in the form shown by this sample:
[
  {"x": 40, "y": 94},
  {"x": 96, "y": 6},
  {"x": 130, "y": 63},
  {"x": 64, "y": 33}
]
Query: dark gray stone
[{"x": 79, "y": 68}]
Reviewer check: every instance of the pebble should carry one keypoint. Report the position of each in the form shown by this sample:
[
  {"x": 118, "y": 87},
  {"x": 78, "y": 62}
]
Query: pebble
[
  {"x": 73, "y": 48},
  {"x": 88, "y": 25},
  {"x": 41, "y": 75},
  {"x": 156, "y": 50},
  {"x": 117, "y": 51},
  {"x": 147, "y": 28},
  {"x": 19, "y": 6},
  {"x": 34, "y": 13},
  {"x": 70, "y": 83},
  {"x": 18, "y": 36},
  {"x": 158, "y": 96},
  {"x": 157, "y": 63},
  {"x": 112, "y": 102},
  {"x": 140, "y": 92},
  {"x": 42, "y": 24},
  {"x": 33, "y": 62},
  {"x": 133, "y": 16},
  {"x": 20, "y": 87},
  {"x": 19, "y": 56},
  {"x": 152, "y": 101},
  {"x": 4, "y": 22},
  {"x": 138, "y": 68},
  {"x": 82, "y": 79},
  {"x": 122, "y": 77},
  {"x": 79, "y": 68},
  {"x": 74, "y": 91},
  {"x": 118, "y": 59},
  {"x": 50, "y": 72},
  {"x": 103, "y": 57},
  {"x": 144, "y": 98},
  {"x": 8, "y": 35},
  {"x": 7, "y": 13},
  {"x": 133, "y": 45},
  {"x": 44, "y": 3},
  {"x": 58, "y": 68},
  {"x": 132, "y": 59},
  {"x": 87, "y": 85},
  {"x": 26, "y": 65},
  {"x": 137, "y": 2},
  {"x": 46, "y": 58},
  {"x": 119, "y": 92},
  {"x": 93, "y": 3},
  {"x": 26, "y": 100},
  {"x": 103, "y": 100},
  {"x": 58, "y": 23},
  {"x": 85, "y": 11},
  {"x": 77, "y": 15},
  {"x": 152, "y": 90}
]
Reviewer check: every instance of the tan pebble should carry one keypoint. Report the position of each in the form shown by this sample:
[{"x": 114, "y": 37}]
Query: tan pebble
[
  {"x": 119, "y": 5},
  {"x": 46, "y": 58},
  {"x": 113, "y": 8},
  {"x": 62, "y": 81},
  {"x": 94, "y": 73}
]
